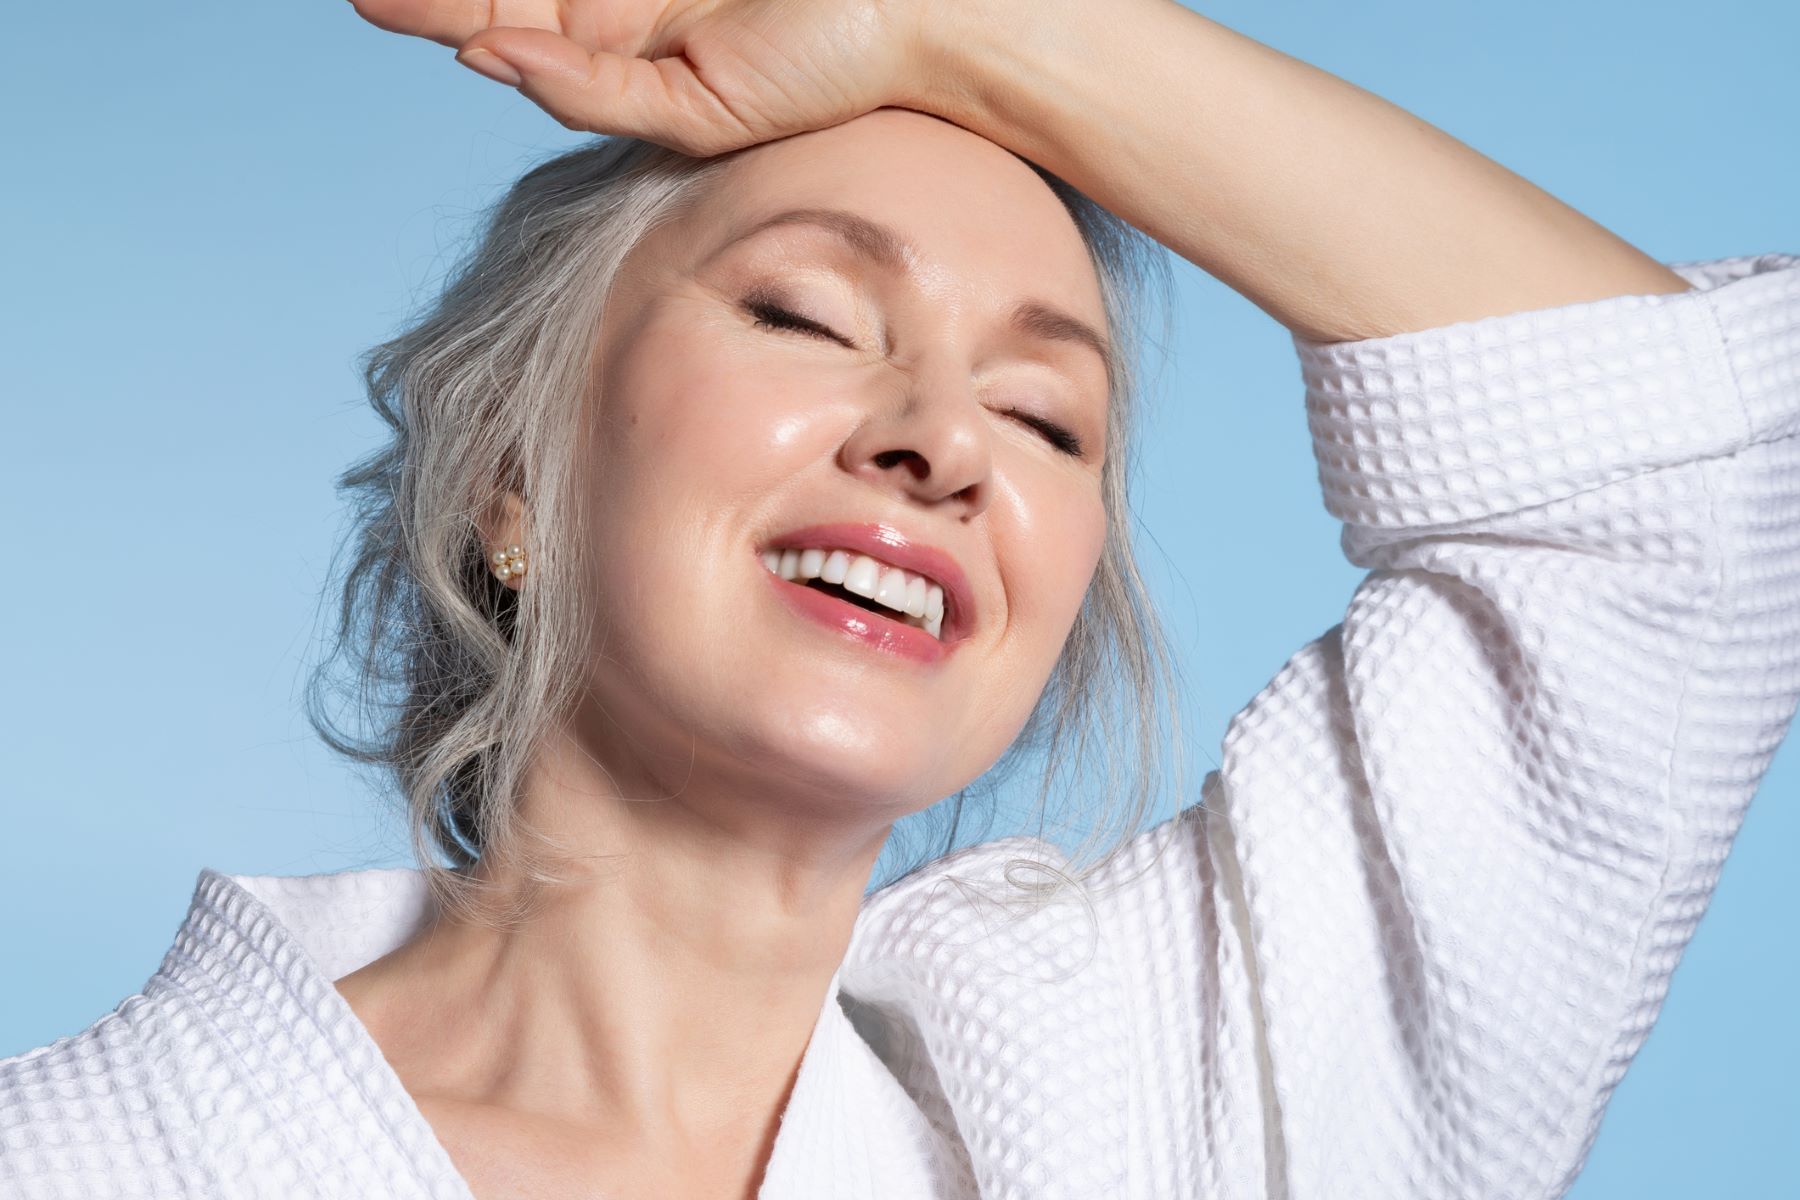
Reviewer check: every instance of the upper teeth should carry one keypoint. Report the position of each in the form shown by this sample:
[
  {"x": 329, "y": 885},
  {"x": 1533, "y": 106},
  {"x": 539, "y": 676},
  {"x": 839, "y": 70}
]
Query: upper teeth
[{"x": 915, "y": 596}]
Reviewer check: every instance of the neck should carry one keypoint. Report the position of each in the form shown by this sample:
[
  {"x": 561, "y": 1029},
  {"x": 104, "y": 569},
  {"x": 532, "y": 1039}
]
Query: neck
[{"x": 672, "y": 987}]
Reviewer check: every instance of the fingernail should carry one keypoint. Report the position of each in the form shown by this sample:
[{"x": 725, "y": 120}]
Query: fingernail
[{"x": 486, "y": 62}]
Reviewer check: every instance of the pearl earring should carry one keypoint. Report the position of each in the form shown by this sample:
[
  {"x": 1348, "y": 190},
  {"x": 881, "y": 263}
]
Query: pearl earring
[{"x": 509, "y": 562}]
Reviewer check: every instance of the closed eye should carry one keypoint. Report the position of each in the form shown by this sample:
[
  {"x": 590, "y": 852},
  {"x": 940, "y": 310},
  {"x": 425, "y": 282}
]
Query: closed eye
[
  {"x": 770, "y": 315},
  {"x": 1057, "y": 435}
]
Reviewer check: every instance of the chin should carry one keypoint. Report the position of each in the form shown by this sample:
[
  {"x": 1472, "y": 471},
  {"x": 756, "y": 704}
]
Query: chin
[{"x": 849, "y": 751}]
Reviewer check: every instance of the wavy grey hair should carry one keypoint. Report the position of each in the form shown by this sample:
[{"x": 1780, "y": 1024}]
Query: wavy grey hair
[{"x": 451, "y": 678}]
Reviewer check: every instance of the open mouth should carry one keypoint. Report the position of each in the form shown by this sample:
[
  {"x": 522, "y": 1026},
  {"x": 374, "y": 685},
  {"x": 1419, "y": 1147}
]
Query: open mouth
[{"x": 865, "y": 581}]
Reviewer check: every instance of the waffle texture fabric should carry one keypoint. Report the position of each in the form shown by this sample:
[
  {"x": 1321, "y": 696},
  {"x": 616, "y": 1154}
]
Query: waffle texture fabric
[{"x": 1404, "y": 945}]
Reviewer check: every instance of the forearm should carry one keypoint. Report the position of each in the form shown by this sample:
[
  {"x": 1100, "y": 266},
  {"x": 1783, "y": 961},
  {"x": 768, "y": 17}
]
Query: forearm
[{"x": 1338, "y": 213}]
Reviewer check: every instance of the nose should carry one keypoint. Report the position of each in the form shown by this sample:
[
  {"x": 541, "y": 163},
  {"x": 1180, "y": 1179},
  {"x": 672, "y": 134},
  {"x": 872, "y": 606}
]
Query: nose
[{"x": 932, "y": 446}]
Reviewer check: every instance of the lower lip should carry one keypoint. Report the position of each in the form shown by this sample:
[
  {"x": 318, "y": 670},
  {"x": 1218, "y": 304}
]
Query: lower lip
[{"x": 871, "y": 629}]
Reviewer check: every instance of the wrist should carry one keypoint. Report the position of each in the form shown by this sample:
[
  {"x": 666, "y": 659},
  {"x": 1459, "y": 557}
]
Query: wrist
[{"x": 982, "y": 63}]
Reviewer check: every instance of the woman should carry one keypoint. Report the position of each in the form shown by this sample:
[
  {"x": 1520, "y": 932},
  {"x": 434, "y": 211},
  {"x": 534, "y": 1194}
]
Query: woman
[{"x": 760, "y": 483}]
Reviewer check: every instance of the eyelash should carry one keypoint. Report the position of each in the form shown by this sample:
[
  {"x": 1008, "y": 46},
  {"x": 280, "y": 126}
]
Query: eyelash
[
  {"x": 1058, "y": 436},
  {"x": 773, "y": 316}
]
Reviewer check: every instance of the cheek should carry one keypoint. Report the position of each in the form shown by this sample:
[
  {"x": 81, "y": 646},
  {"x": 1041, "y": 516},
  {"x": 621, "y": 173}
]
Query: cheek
[
  {"x": 687, "y": 417},
  {"x": 656, "y": 447},
  {"x": 1055, "y": 550},
  {"x": 1051, "y": 547},
  {"x": 689, "y": 443}
]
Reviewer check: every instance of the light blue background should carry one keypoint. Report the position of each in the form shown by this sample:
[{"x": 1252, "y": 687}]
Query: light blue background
[{"x": 210, "y": 208}]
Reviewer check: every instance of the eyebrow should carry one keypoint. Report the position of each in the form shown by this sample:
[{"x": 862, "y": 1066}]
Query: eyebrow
[{"x": 887, "y": 248}]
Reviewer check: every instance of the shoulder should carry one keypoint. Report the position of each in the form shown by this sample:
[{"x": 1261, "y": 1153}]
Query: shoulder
[
  {"x": 985, "y": 907},
  {"x": 1027, "y": 885},
  {"x": 109, "y": 1111},
  {"x": 948, "y": 888}
]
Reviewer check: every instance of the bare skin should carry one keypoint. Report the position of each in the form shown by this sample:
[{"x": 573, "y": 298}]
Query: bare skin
[
  {"x": 643, "y": 1031},
  {"x": 641, "y": 1036}
]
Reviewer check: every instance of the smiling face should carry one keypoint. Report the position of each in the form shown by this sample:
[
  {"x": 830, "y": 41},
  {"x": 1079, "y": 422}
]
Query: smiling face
[{"x": 864, "y": 361}]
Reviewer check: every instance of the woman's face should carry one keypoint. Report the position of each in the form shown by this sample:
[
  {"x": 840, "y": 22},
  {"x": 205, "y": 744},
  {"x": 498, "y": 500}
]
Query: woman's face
[{"x": 915, "y": 436}]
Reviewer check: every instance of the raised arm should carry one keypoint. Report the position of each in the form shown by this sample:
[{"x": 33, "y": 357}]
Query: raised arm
[
  {"x": 1426, "y": 911},
  {"x": 1428, "y": 908},
  {"x": 1339, "y": 214}
]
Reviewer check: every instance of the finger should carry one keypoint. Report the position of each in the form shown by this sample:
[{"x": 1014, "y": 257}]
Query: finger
[
  {"x": 453, "y": 22},
  {"x": 661, "y": 100}
]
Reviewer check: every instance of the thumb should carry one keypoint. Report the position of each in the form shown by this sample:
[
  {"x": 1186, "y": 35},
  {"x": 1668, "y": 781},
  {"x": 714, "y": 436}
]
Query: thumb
[{"x": 599, "y": 92}]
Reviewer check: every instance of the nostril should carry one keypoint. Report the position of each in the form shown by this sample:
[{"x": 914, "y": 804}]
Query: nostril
[{"x": 889, "y": 459}]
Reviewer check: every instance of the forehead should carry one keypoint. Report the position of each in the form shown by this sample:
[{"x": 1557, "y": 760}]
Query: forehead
[{"x": 971, "y": 222}]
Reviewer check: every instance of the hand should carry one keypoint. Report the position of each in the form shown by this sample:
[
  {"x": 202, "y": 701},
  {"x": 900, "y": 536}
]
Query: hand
[{"x": 699, "y": 76}]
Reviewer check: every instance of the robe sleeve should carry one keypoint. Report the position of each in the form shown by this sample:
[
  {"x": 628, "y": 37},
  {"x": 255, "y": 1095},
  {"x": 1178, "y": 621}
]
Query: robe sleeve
[{"x": 1432, "y": 897}]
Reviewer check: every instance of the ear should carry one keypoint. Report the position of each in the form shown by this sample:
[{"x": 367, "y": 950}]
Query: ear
[{"x": 502, "y": 528}]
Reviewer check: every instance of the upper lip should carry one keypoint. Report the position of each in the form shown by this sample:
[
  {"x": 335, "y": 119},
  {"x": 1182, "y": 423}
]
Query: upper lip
[{"x": 892, "y": 546}]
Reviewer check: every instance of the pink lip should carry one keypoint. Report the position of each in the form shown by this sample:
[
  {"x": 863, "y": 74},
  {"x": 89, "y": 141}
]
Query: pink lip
[
  {"x": 872, "y": 629},
  {"x": 891, "y": 546}
]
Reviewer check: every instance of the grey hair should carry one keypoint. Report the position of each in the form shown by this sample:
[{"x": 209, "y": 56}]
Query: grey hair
[{"x": 452, "y": 678}]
